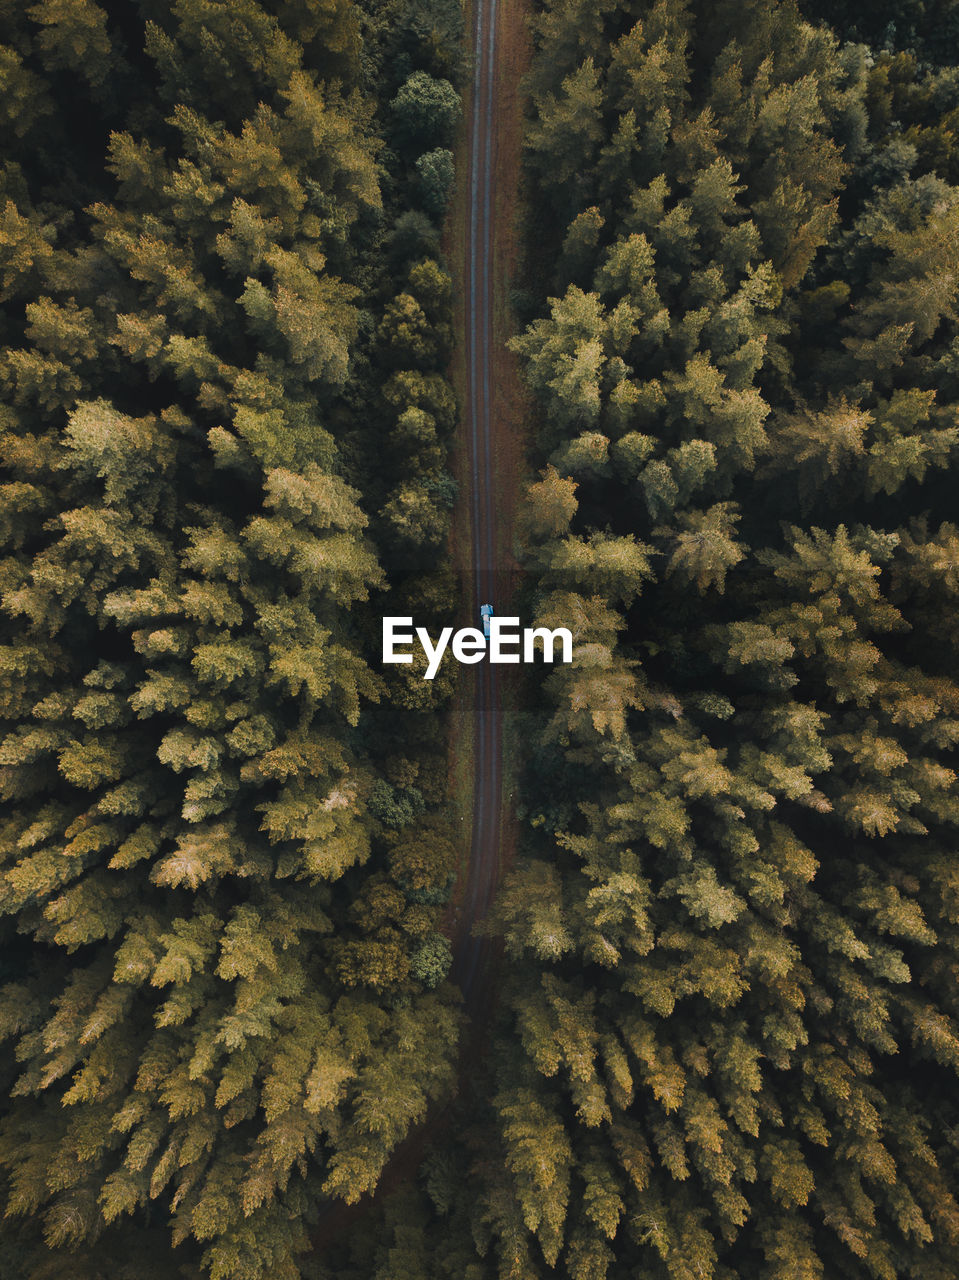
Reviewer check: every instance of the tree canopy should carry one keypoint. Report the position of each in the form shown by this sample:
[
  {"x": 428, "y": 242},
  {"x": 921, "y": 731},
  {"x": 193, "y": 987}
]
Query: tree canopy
[{"x": 224, "y": 997}]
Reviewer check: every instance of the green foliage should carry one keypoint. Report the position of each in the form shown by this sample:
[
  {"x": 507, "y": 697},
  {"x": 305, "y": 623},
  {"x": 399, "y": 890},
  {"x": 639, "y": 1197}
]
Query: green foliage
[
  {"x": 430, "y": 963},
  {"x": 435, "y": 172},
  {"x": 929, "y": 26},
  {"x": 211, "y": 1015},
  {"x": 425, "y": 111},
  {"x": 727, "y": 1032},
  {"x": 730, "y": 1045},
  {"x": 394, "y": 806}
]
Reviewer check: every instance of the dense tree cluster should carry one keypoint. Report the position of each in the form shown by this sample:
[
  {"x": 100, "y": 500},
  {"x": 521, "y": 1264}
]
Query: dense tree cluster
[
  {"x": 225, "y": 322},
  {"x": 928, "y": 27},
  {"x": 727, "y": 1038}
]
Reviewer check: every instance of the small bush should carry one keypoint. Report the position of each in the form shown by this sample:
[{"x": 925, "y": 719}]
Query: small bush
[
  {"x": 431, "y": 961},
  {"x": 436, "y": 173},
  {"x": 425, "y": 110}
]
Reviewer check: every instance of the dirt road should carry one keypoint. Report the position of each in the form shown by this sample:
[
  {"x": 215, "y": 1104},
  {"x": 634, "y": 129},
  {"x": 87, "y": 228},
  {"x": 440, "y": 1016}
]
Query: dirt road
[{"x": 482, "y": 875}]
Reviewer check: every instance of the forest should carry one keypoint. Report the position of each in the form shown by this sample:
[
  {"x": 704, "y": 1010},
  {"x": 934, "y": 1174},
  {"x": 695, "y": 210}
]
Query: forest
[
  {"x": 725, "y": 1038},
  {"x": 732, "y": 934},
  {"x": 225, "y": 421}
]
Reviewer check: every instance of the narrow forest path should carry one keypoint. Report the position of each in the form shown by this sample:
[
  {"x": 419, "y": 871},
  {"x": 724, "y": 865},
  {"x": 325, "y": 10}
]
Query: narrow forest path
[
  {"x": 484, "y": 260},
  {"x": 470, "y": 964}
]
